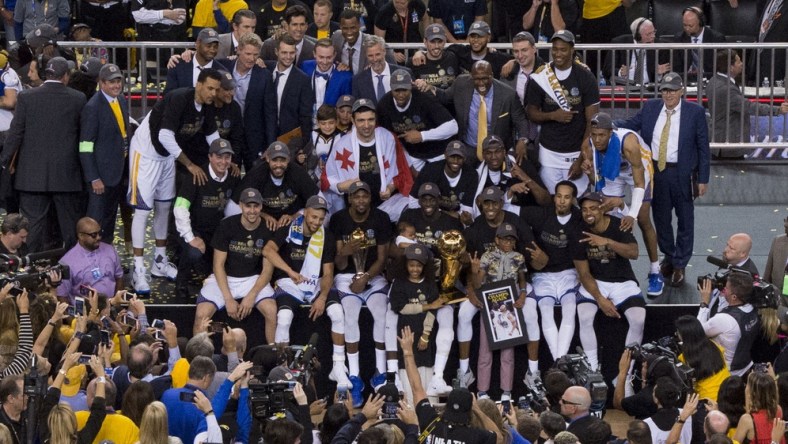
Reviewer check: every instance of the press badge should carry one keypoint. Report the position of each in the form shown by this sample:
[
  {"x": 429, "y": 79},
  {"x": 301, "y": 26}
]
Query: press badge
[
  {"x": 96, "y": 272},
  {"x": 458, "y": 26}
]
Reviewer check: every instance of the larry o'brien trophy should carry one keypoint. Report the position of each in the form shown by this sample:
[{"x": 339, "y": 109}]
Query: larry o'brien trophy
[
  {"x": 451, "y": 245},
  {"x": 359, "y": 256}
]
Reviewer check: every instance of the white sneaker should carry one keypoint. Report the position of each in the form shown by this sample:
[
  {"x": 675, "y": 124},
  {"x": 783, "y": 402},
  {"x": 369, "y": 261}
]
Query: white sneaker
[
  {"x": 140, "y": 281},
  {"x": 467, "y": 379},
  {"x": 532, "y": 379},
  {"x": 437, "y": 387},
  {"x": 163, "y": 268},
  {"x": 339, "y": 374}
]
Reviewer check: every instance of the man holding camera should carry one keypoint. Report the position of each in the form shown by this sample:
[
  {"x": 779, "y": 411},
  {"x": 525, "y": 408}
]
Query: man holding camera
[
  {"x": 735, "y": 327},
  {"x": 736, "y": 254}
]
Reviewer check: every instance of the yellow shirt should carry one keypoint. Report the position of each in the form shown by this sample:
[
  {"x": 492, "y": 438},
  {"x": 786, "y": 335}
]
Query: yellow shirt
[
  {"x": 709, "y": 387},
  {"x": 116, "y": 428},
  {"x": 323, "y": 34},
  {"x": 203, "y": 12},
  {"x": 599, "y": 8}
]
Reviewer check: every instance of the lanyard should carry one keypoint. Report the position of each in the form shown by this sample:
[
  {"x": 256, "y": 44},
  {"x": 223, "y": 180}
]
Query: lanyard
[
  {"x": 404, "y": 24},
  {"x": 46, "y": 7}
]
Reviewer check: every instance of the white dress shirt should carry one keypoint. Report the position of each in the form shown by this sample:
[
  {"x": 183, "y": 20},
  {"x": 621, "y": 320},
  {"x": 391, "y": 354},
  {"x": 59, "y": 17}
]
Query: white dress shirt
[
  {"x": 673, "y": 135},
  {"x": 280, "y": 87}
]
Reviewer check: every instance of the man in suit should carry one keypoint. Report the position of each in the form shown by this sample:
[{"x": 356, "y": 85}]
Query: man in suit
[
  {"x": 253, "y": 84},
  {"x": 575, "y": 404},
  {"x": 773, "y": 28},
  {"x": 351, "y": 44},
  {"x": 103, "y": 148},
  {"x": 677, "y": 133},
  {"x": 295, "y": 26},
  {"x": 328, "y": 83},
  {"x": 777, "y": 260},
  {"x": 244, "y": 21},
  {"x": 291, "y": 96},
  {"x": 638, "y": 66},
  {"x": 697, "y": 63},
  {"x": 375, "y": 80},
  {"x": 527, "y": 61},
  {"x": 730, "y": 110},
  {"x": 43, "y": 138},
  {"x": 184, "y": 74},
  {"x": 470, "y": 96}
]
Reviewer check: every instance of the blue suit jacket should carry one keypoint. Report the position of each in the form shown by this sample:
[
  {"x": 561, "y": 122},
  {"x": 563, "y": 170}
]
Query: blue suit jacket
[
  {"x": 364, "y": 87},
  {"x": 101, "y": 146},
  {"x": 256, "y": 127},
  {"x": 295, "y": 108},
  {"x": 339, "y": 83},
  {"x": 693, "y": 156},
  {"x": 180, "y": 77}
]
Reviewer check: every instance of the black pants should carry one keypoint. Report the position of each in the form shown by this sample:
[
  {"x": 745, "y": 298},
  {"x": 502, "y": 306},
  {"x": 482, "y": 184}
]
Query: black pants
[
  {"x": 107, "y": 24},
  {"x": 69, "y": 207},
  {"x": 104, "y": 209}
]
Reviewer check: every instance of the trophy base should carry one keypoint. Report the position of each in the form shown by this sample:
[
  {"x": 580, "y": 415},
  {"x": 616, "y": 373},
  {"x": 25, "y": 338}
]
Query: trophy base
[{"x": 453, "y": 296}]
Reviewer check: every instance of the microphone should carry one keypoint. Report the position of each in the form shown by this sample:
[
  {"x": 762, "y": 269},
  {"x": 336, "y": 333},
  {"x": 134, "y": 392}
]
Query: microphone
[
  {"x": 309, "y": 350},
  {"x": 717, "y": 261}
]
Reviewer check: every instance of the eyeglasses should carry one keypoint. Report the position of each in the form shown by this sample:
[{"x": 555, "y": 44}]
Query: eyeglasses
[
  {"x": 564, "y": 401},
  {"x": 670, "y": 91},
  {"x": 93, "y": 235}
]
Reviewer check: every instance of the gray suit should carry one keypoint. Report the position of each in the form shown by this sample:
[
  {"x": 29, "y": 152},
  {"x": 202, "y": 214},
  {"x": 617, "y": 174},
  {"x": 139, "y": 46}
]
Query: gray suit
[
  {"x": 730, "y": 113},
  {"x": 339, "y": 41},
  {"x": 268, "y": 52},
  {"x": 508, "y": 119},
  {"x": 226, "y": 48},
  {"x": 775, "y": 264}
]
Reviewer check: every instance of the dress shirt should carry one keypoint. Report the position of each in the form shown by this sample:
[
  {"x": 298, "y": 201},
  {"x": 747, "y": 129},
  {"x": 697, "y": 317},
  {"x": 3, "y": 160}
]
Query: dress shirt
[
  {"x": 386, "y": 78},
  {"x": 241, "y": 86},
  {"x": 673, "y": 136},
  {"x": 197, "y": 69},
  {"x": 320, "y": 85},
  {"x": 633, "y": 63},
  {"x": 473, "y": 124},
  {"x": 280, "y": 87},
  {"x": 356, "y": 54},
  {"x": 99, "y": 269},
  {"x": 522, "y": 84}
]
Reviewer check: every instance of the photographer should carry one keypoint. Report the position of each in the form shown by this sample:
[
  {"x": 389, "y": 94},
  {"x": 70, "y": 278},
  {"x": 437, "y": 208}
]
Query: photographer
[
  {"x": 735, "y": 327},
  {"x": 641, "y": 405},
  {"x": 13, "y": 235},
  {"x": 736, "y": 254}
]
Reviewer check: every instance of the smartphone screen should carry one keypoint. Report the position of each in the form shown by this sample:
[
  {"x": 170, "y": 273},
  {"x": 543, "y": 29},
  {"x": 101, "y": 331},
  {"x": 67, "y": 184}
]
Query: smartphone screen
[
  {"x": 507, "y": 405},
  {"x": 105, "y": 337},
  {"x": 342, "y": 393},
  {"x": 79, "y": 305},
  {"x": 218, "y": 327},
  {"x": 187, "y": 396},
  {"x": 390, "y": 410},
  {"x": 84, "y": 290},
  {"x": 84, "y": 359},
  {"x": 158, "y": 323}
]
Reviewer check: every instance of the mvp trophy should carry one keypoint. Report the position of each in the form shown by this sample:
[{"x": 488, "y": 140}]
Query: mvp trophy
[
  {"x": 359, "y": 256},
  {"x": 451, "y": 245}
]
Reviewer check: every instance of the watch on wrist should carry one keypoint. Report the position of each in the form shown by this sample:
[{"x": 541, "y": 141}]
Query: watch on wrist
[
  {"x": 704, "y": 305},
  {"x": 101, "y": 379},
  {"x": 679, "y": 420}
]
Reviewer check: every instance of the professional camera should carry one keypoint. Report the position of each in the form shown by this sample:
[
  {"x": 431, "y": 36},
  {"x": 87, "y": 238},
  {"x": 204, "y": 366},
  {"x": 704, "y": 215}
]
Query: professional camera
[
  {"x": 579, "y": 371},
  {"x": 30, "y": 271},
  {"x": 764, "y": 294},
  {"x": 269, "y": 399},
  {"x": 665, "y": 348}
]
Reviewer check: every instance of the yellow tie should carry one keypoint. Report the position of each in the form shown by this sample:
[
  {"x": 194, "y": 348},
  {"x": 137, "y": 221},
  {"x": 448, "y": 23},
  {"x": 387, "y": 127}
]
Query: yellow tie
[
  {"x": 481, "y": 131},
  {"x": 118, "y": 116},
  {"x": 662, "y": 160}
]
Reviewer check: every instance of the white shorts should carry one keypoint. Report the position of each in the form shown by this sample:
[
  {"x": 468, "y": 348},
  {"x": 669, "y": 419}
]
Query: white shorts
[
  {"x": 555, "y": 168},
  {"x": 150, "y": 180},
  {"x": 556, "y": 285},
  {"x": 377, "y": 284},
  {"x": 616, "y": 292},
  {"x": 239, "y": 288}
]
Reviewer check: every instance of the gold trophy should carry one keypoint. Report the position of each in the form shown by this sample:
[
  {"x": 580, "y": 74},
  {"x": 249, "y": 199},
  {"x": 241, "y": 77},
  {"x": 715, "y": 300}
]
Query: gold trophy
[
  {"x": 451, "y": 245},
  {"x": 360, "y": 255}
]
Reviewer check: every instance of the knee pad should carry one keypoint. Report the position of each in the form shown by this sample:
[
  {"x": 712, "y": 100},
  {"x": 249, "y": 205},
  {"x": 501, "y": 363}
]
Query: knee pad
[
  {"x": 391, "y": 331},
  {"x": 351, "y": 311},
  {"x": 465, "y": 321},
  {"x": 284, "y": 318},
  {"x": 337, "y": 316},
  {"x": 161, "y": 215},
  {"x": 138, "y": 222}
]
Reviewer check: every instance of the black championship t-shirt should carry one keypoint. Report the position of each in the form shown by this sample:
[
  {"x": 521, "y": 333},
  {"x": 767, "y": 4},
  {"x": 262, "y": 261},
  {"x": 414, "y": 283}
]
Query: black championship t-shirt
[
  {"x": 580, "y": 90},
  {"x": 286, "y": 196},
  {"x": 480, "y": 236},
  {"x": 451, "y": 196},
  {"x": 369, "y": 170},
  {"x": 244, "y": 247},
  {"x": 270, "y": 20},
  {"x": 377, "y": 228},
  {"x": 396, "y": 27},
  {"x": 294, "y": 254},
  {"x": 438, "y": 73},
  {"x": 559, "y": 241},
  {"x": 465, "y": 58},
  {"x": 422, "y": 114},
  {"x": 207, "y": 202},
  {"x": 178, "y": 113},
  {"x": 604, "y": 263},
  {"x": 446, "y": 433},
  {"x": 429, "y": 231},
  {"x": 404, "y": 292},
  {"x": 230, "y": 124}
]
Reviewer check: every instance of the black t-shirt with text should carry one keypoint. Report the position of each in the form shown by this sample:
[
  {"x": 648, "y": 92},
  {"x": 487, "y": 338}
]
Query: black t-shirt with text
[
  {"x": 438, "y": 73},
  {"x": 178, "y": 113},
  {"x": 447, "y": 433},
  {"x": 369, "y": 170},
  {"x": 429, "y": 231},
  {"x": 207, "y": 202},
  {"x": 270, "y": 20},
  {"x": 288, "y": 197},
  {"x": 377, "y": 228},
  {"x": 581, "y": 91},
  {"x": 244, "y": 247},
  {"x": 294, "y": 254},
  {"x": 423, "y": 113},
  {"x": 560, "y": 242},
  {"x": 451, "y": 196},
  {"x": 605, "y": 264},
  {"x": 480, "y": 236},
  {"x": 465, "y": 58}
]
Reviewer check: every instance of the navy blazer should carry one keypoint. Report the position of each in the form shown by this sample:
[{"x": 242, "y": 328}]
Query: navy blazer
[
  {"x": 693, "y": 138},
  {"x": 182, "y": 76},
  {"x": 256, "y": 127},
  {"x": 339, "y": 84},
  {"x": 364, "y": 87},
  {"x": 295, "y": 108},
  {"x": 102, "y": 150}
]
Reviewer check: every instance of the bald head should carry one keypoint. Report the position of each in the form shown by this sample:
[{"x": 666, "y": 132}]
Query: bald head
[
  {"x": 737, "y": 249},
  {"x": 88, "y": 233},
  {"x": 715, "y": 422},
  {"x": 482, "y": 75},
  {"x": 575, "y": 402},
  {"x": 87, "y": 224},
  {"x": 240, "y": 340}
]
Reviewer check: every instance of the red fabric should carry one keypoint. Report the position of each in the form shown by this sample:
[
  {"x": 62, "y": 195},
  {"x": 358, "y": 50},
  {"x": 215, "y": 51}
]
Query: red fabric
[{"x": 763, "y": 427}]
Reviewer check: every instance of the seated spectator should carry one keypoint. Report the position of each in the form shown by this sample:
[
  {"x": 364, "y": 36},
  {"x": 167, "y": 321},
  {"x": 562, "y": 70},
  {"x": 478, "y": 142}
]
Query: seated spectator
[
  {"x": 697, "y": 63},
  {"x": 81, "y": 32},
  {"x": 640, "y": 66}
]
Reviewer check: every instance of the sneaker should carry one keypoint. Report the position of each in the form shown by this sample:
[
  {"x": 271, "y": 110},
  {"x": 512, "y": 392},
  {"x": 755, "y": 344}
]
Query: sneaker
[
  {"x": 437, "y": 387},
  {"x": 339, "y": 374},
  {"x": 482, "y": 395},
  {"x": 467, "y": 379},
  {"x": 506, "y": 397},
  {"x": 377, "y": 381},
  {"x": 163, "y": 268},
  {"x": 140, "y": 281},
  {"x": 532, "y": 379},
  {"x": 656, "y": 283},
  {"x": 357, "y": 391}
]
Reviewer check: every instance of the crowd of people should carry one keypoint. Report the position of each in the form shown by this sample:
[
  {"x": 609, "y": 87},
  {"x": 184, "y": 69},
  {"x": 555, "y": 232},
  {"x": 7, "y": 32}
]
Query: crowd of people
[{"x": 294, "y": 160}]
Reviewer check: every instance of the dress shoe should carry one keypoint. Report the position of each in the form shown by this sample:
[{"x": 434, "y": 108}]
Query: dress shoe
[
  {"x": 666, "y": 269},
  {"x": 678, "y": 277}
]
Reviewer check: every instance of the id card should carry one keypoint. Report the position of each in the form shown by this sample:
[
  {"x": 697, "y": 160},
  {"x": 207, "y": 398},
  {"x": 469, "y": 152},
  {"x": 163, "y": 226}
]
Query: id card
[{"x": 458, "y": 26}]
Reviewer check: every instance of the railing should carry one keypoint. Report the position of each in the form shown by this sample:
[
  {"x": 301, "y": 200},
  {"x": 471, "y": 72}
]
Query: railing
[{"x": 621, "y": 99}]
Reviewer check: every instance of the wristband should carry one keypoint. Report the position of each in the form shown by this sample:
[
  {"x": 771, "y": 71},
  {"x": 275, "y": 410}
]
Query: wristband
[
  {"x": 680, "y": 421},
  {"x": 424, "y": 340},
  {"x": 704, "y": 305},
  {"x": 78, "y": 335},
  {"x": 209, "y": 413},
  {"x": 52, "y": 324},
  {"x": 62, "y": 372},
  {"x": 101, "y": 379}
]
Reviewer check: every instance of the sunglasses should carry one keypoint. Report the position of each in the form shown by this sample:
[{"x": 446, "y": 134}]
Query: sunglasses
[
  {"x": 93, "y": 235},
  {"x": 564, "y": 401}
]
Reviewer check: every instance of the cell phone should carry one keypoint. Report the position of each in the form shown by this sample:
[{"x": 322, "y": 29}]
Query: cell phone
[
  {"x": 127, "y": 295},
  {"x": 106, "y": 322},
  {"x": 390, "y": 410},
  {"x": 507, "y": 406},
  {"x": 187, "y": 396},
  {"x": 129, "y": 320},
  {"x": 291, "y": 385},
  {"x": 79, "y": 305},
  {"x": 342, "y": 393},
  {"x": 70, "y": 311},
  {"x": 218, "y": 327},
  {"x": 159, "y": 336},
  {"x": 701, "y": 279},
  {"x": 84, "y": 290},
  {"x": 256, "y": 370},
  {"x": 105, "y": 337},
  {"x": 17, "y": 291},
  {"x": 84, "y": 359},
  {"x": 158, "y": 323}
]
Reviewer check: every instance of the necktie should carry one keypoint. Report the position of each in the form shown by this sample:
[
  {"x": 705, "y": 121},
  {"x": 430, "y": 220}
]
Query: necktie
[
  {"x": 381, "y": 91},
  {"x": 695, "y": 57},
  {"x": 118, "y": 116},
  {"x": 481, "y": 132},
  {"x": 641, "y": 54},
  {"x": 276, "y": 80},
  {"x": 350, "y": 52},
  {"x": 663, "y": 142}
]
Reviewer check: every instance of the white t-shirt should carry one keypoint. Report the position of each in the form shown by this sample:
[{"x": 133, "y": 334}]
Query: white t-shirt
[{"x": 11, "y": 81}]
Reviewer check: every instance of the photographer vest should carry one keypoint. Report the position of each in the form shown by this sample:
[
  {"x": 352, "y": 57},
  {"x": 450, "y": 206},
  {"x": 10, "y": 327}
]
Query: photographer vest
[{"x": 750, "y": 328}]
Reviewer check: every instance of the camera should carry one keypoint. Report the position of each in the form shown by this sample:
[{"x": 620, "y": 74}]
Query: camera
[
  {"x": 579, "y": 371},
  {"x": 667, "y": 348},
  {"x": 268, "y": 399},
  {"x": 764, "y": 294},
  {"x": 31, "y": 271}
]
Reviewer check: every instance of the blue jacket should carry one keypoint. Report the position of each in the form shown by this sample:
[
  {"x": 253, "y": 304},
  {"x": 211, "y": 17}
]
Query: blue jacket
[
  {"x": 182, "y": 76},
  {"x": 184, "y": 418},
  {"x": 339, "y": 84}
]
